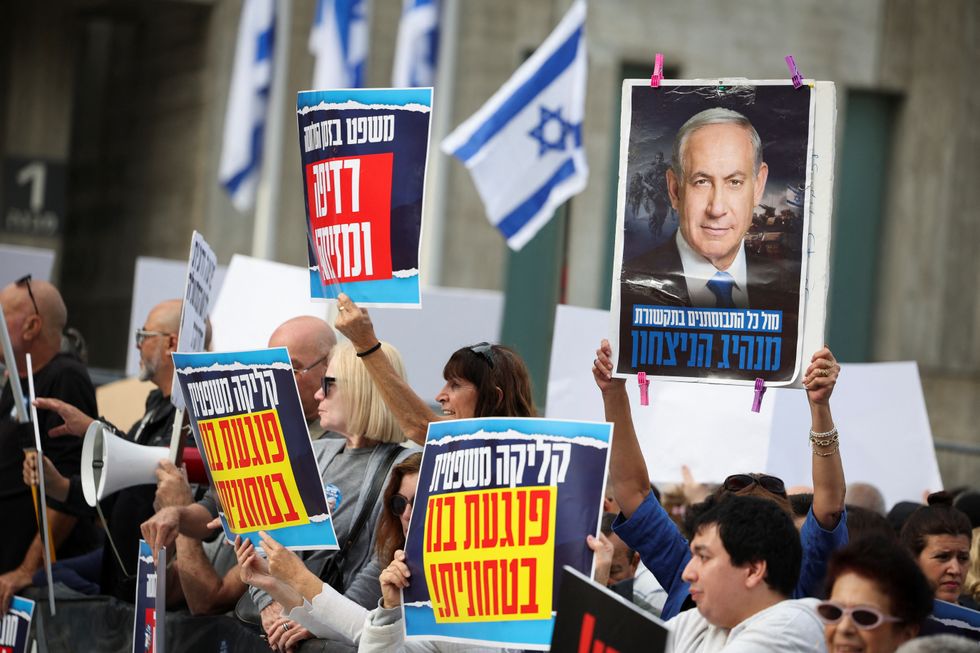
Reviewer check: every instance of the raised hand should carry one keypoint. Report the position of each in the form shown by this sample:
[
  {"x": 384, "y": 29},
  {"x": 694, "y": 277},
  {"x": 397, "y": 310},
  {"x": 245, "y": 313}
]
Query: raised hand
[
  {"x": 602, "y": 367},
  {"x": 355, "y": 323},
  {"x": 394, "y": 578},
  {"x": 821, "y": 377}
]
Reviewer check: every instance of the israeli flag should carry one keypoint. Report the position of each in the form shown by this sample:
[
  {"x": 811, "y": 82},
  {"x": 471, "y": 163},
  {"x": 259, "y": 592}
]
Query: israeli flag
[
  {"x": 524, "y": 146},
  {"x": 248, "y": 100},
  {"x": 339, "y": 44},
  {"x": 417, "y": 44}
]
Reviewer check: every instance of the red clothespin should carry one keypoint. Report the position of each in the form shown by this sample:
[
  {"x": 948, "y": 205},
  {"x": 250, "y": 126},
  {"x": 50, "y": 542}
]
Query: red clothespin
[
  {"x": 644, "y": 382},
  {"x": 760, "y": 389},
  {"x": 794, "y": 71},
  {"x": 658, "y": 72}
]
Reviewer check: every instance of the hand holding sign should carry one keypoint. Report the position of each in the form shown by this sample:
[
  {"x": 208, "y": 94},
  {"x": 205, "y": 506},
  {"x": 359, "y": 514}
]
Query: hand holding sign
[
  {"x": 355, "y": 323},
  {"x": 172, "y": 486},
  {"x": 394, "y": 579},
  {"x": 821, "y": 377},
  {"x": 602, "y": 368}
]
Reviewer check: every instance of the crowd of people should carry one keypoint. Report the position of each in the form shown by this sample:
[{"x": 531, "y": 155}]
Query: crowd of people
[{"x": 746, "y": 565}]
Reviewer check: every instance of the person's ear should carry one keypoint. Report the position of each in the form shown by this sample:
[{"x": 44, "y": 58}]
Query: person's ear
[
  {"x": 673, "y": 188},
  {"x": 31, "y": 327},
  {"x": 760, "y": 182},
  {"x": 755, "y": 573},
  {"x": 635, "y": 562}
]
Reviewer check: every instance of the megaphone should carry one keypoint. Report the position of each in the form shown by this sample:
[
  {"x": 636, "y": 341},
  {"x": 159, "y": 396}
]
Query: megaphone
[{"x": 111, "y": 463}]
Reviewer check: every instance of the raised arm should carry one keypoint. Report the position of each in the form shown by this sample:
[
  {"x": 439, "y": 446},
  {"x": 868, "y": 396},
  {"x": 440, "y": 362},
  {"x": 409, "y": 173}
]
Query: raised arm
[
  {"x": 412, "y": 413},
  {"x": 828, "y": 470},
  {"x": 628, "y": 474}
]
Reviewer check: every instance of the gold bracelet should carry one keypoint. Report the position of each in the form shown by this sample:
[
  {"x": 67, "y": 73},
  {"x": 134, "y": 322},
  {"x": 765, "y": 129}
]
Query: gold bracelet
[
  {"x": 828, "y": 453},
  {"x": 826, "y": 434},
  {"x": 823, "y": 443}
]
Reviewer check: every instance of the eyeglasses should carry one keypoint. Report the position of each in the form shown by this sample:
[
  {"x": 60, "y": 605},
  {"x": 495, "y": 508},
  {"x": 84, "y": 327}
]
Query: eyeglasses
[
  {"x": 326, "y": 382},
  {"x": 738, "y": 482},
  {"x": 26, "y": 281},
  {"x": 397, "y": 504},
  {"x": 864, "y": 616},
  {"x": 311, "y": 366},
  {"x": 484, "y": 350},
  {"x": 143, "y": 334}
]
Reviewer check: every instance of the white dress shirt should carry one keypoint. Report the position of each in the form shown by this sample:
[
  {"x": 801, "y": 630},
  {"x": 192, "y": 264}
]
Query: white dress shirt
[{"x": 698, "y": 271}]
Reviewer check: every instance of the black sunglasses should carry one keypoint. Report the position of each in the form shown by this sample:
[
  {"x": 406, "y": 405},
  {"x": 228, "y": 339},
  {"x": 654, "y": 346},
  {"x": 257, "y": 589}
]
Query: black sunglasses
[
  {"x": 26, "y": 281},
  {"x": 397, "y": 504},
  {"x": 326, "y": 382},
  {"x": 738, "y": 482},
  {"x": 484, "y": 350},
  {"x": 864, "y": 616}
]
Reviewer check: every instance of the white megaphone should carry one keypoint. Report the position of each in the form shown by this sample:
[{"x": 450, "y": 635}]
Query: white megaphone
[{"x": 111, "y": 463}]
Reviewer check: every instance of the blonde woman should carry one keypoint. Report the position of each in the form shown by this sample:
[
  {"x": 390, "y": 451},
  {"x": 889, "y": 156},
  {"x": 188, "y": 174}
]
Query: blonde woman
[{"x": 349, "y": 405}]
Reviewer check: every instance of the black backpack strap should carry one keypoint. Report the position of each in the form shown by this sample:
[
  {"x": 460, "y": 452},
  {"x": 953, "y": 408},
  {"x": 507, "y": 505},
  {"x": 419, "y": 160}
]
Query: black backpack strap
[{"x": 367, "y": 507}]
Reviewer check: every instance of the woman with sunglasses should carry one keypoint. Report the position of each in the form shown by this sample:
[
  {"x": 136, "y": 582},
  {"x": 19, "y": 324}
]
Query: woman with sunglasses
[
  {"x": 878, "y": 597},
  {"x": 351, "y": 406},
  {"x": 309, "y": 601},
  {"x": 482, "y": 380},
  {"x": 645, "y": 526},
  {"x": 938, "y": 537}
]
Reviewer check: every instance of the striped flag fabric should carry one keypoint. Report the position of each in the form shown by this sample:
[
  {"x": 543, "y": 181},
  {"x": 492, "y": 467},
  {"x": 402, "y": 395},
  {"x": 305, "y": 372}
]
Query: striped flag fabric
[
  {"x": 248, "y": 100},
  {"x": 417, "y": 45},
  {"x": 524, "y": 146},
  {"x": 339, "y": 43}
]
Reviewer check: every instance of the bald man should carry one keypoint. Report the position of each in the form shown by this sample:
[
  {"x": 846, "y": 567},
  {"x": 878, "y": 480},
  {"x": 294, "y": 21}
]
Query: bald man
[
  {"x": 35, "y": 319},
  {"x": 309, "y": 341},
  {"x": 125, "y": 510}
]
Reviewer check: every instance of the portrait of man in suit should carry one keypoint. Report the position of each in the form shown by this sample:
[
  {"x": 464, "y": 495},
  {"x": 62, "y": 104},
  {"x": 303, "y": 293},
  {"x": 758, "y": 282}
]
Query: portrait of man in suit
[
  {"x": 732, "y": 239},
  {"x": 716, "y": 179}
]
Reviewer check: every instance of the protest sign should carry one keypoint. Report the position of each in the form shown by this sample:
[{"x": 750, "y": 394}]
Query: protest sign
[
  {"x": 502, "y": 503},
  {"x": 710, "y": 281},
  {"x": 198, "y": 295},
  {"x": 952, "y": 619},
  {"x": 592, "y": 618},
  {"x": 151, "y": 605},
  {"x": 250, "y": 429},
  {"x": 41, "y": 507},
  {"x": 16, "y": 627},
  {"x": 363, "y": 153},
  {"x": 13, "y": 378}
]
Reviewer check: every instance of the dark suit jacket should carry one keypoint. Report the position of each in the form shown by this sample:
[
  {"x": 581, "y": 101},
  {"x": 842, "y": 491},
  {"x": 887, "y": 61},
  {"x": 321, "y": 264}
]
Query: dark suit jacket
[{"x": 656, "y": 278}]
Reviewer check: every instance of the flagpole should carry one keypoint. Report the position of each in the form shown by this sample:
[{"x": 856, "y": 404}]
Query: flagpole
[
  {"x": 433, "y": 242},
  {"x": 267, "y": 194}
]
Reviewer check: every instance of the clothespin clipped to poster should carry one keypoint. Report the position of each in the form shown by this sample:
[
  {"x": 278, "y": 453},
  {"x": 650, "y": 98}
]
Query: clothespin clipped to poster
[
  {"x": 760, "y": 389},
  {"x": 658, "y": 70},
  {"x": 644, "y": 382},
  {"x": 794, "y": 71}
]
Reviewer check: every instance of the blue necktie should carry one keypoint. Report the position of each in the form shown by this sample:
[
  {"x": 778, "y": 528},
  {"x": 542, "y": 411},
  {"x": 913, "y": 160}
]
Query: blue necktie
[{"x": 721, "y": 287}]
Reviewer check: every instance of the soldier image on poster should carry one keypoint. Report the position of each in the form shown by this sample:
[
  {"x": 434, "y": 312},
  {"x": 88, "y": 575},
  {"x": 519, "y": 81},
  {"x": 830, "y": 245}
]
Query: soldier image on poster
[{"x": 710, "y": 246}]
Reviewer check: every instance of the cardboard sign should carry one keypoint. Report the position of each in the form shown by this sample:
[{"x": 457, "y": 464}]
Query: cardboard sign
[
  {"x": 592, "y": 618},
  {"x": 717, "y": 228},
  {"x": 363, "y": 154},
  {"x": 249, "y": 426},
  {"x": 151, "y": 606},
  {"x": 16, "y": 626},
  {"x": 198, "y": 295},
  {"x": 502, "y": 505}
]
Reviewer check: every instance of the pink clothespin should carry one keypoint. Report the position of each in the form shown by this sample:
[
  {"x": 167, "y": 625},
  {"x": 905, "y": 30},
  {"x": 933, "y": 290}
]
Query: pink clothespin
[
  {"x": 644, "y": 382},
  {"x": 760, "y": 389},
  {"x": 794, "y": 71},
  {"x": 658, "y": 71}
]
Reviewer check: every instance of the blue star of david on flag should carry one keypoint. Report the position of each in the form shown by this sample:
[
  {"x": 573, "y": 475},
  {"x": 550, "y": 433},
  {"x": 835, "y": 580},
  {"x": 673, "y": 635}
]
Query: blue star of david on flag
[
  {"x": 524, "y": 146},
  {"x": 553, "y": 125}
]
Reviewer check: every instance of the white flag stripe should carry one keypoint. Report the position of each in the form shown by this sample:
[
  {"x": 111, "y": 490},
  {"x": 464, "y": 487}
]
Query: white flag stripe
[
  {"x": 415, "y": 49},
  {"x": 524, "y": 146},
  {"x": 241, "y": 148},
  {"x": 339, "y": 43}
]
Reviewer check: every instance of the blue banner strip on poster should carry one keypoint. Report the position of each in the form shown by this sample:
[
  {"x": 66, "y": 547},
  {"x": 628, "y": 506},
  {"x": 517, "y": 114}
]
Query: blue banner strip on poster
[
  {"x": 256, "y": 357},
  {"x": 397, "y": 290},
  {"x": 530, "y": 426},
  {"x": 714, "y": 319},
  {"x": 536, "y": 632},
  {"x": 399, "y": 97}
]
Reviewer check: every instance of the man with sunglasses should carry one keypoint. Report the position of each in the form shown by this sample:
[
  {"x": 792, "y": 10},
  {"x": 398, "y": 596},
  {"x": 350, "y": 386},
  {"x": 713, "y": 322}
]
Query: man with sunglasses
[
  {"x": 645, "y": 526},
  {"x": 35, "y": 319},
  {"x": 309, "y": 341},
  {"x": 124, "y": 511},
  {"x": 745, "y": 561}
]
